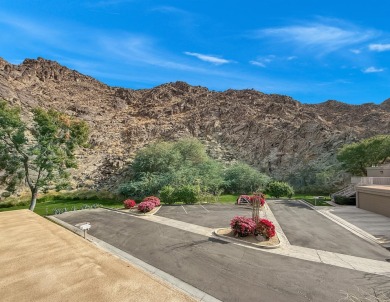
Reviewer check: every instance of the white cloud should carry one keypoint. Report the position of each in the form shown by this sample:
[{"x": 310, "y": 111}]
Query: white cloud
[
  {"x": 169, "y": 9},
  {"x": 373, "y": 69},
  {"x": 356, "y": 51},
  {"x": 257, "y": 63},
  {"x": 379, "y": 47},
  {"x": 319, "y": 36},
  {"x": 290, "y": 58},
  {"x": 263, "y": 61},
  {"x": 208, "y": 58}
]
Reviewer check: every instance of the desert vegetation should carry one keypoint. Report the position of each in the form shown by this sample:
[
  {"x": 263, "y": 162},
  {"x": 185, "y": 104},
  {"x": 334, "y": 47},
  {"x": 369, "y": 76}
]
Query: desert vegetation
[
  {"x": 41, "y": 154},
  {"x": 356, "y": 157},
  {"x": 182, "y": 171}
]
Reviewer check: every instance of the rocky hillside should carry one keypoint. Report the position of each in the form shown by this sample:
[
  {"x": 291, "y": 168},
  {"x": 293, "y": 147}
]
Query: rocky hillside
[{"x": 273, "y": 132}]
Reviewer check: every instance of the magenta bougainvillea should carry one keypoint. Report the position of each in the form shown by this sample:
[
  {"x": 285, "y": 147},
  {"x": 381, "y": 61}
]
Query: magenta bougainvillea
[
  {"x": 266, "y": 228},
  {"x": 146, "y": 206},
  {"x": 242, "y": 226},
  {"x": 259, "y": 198},
  {"x": 153, "y": 199},
  {"x": 129, "y": 203}
]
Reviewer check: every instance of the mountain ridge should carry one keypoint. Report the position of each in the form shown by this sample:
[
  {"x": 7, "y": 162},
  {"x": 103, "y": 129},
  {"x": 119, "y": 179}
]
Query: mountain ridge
[{"x": 275, "y": 133}]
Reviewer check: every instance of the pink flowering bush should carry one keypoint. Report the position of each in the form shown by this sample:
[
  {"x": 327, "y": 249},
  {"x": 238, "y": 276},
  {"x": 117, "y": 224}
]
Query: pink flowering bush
[
  {"x": 129, "y": 203},
  {"x": 265, "y": 228},
  {"x": 146, "y": 206},
  {"x": 243, "y": 199},
  {"x": 242, "y": 226},
  {"x": 259, "y": 198},
  {"x": 153, "y": 199}
]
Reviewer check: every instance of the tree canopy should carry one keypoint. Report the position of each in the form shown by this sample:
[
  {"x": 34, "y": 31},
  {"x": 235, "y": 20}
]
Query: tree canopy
[
  {"x": 41, "y": 154},
  {"x": 356, "y": 157},
  {"x": 183, "y": 164},
  {"x": 242, "y": 178}
]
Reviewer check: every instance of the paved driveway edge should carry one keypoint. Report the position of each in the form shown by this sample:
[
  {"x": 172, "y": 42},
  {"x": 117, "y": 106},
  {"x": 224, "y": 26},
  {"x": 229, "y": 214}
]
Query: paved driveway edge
[{"x": 171, "y": 280}]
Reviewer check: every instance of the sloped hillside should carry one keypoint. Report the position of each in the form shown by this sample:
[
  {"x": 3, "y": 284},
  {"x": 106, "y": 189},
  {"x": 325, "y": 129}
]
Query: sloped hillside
[{"x": 273, "y": 132}]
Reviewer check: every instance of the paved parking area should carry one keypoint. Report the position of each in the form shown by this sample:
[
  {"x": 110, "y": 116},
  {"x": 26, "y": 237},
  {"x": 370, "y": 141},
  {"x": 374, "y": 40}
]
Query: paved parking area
[
  {"x": 224, "y": 270},
  {"x": 305, "y": 227},
  {"x": 207, "y": 215},
  {"x": 372, "y": 223}
]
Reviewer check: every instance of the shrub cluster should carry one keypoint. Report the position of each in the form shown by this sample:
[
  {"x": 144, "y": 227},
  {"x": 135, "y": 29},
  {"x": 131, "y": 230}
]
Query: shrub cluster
[
  {"x": 153, "y": 199},
  {"x": 265, "y": 228},
  {"x": 129, "y": 203},
  {"x": 188, "y": 194},
  {"x": 345, "y": 200},
  {"x": 185, "y": 166},
  {"x": 243, "y": 226},
  {"x": 278, "y": 189},
  {"x": 146, "y": 206}
]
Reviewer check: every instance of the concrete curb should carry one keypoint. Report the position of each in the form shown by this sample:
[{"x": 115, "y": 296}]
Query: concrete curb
[
  {"x": 151, "y": 213},
  {"x": 155, "y": 272},
  {"x": 279, "y": 231},
  {"x": 234, "y": 240}
]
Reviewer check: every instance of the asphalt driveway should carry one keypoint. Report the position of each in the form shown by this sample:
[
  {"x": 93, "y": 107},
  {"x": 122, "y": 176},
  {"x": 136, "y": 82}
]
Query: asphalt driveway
[
  {"x": 305, "y": 227},
  {"x": 207, "y": 215},
  {"x": 224, "y": 270}
]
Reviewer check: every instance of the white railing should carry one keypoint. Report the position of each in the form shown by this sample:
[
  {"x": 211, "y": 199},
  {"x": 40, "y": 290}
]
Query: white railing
[{"x": 365, "y": 181}]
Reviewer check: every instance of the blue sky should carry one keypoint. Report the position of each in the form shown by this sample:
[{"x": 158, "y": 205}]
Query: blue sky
[{"x": 311, "y": 50}]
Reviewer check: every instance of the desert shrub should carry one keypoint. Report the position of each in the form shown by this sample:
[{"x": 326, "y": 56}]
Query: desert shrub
[
  {"x": 167, "y": 195},
  {"x": 129, "y": 203},
  {"x": 6, "y": 204},
  {"x": 146, "y": 206},
  {"x": 153, "y": 199},
  {"x": 187, "y": 194},
  {"x": 345, "y": 200},
  {"x": 317, "y": 177},
  {"x": 242, "y": 226},
  {"x": 242, "y": 178},
  {"x": 265, "y": 228},
  {"x": 278, "y": 189},
  {"x": 6, "y": 194}
]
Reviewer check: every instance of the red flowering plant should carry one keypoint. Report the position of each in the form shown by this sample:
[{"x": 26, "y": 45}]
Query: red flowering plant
[
  {"x": 153, "y": 199},
  {"x": 265, "y": 228},
  {"x": 242, "y": 226},
  {"x": 129, "y": 203},
  {"x": 258, "y": 198},
  {"x": 146, "y": 206},
  {"x": 243, "y": 199}
]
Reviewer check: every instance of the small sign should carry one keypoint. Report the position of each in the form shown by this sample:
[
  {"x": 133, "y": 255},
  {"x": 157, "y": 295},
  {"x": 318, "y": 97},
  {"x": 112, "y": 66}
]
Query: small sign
[{"x": 85, "y": 227}]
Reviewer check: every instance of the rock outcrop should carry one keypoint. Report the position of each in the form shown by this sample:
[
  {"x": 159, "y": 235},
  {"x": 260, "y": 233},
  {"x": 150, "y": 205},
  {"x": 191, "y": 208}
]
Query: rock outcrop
[{"x": 275, "y": 133}]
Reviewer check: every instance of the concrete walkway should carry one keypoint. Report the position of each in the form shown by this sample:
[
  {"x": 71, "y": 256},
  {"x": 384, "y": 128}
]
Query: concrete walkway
[
  {"x": 314, "y": 255},
  {"x": 365, "y": 224}
]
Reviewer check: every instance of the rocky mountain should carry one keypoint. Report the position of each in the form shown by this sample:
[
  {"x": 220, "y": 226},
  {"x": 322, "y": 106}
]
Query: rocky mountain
[{"x": 275, "y": 133}]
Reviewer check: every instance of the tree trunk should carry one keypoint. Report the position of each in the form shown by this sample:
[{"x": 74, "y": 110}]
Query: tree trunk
[{"x": 34, "y": 195}]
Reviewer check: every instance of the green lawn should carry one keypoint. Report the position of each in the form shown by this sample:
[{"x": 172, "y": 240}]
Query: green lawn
[
  {"x": 227, "y": 198},
  {"x": 310, "y": 199},
  {"x": 48, "y": 207}
]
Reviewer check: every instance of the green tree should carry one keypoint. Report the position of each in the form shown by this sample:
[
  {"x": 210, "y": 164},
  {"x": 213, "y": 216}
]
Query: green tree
[
  {"x": 181, "y": 163},
  {"x": 356, "y": 157},
  {"x": 242, "y": 178},
  {"x": 41, "y": 154},
  {"x": 278, "y": 189}
]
